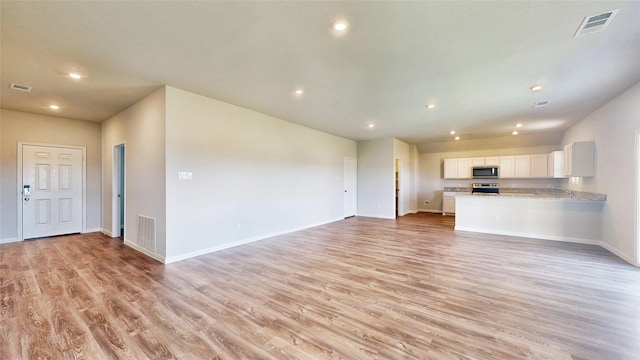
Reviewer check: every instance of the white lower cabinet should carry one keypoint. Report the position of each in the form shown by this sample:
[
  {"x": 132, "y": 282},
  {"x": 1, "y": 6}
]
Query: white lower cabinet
[{"x": 448, "y": 203}]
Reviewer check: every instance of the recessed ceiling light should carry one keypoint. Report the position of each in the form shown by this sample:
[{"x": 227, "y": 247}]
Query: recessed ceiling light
[
  {"x": 54, "y": 107},
  {"x": 536, "y": 88},
  {"x": 371, "y": 125},
  {"x": 299, "y": 92},
  {"x": 514, "y": 133},
  {"x": 75, "y": 75},
  {"x": 340, "y": 25},
  {"x": 457, "y": 138},
  {"x": 452, "y": 132},
  {"x": 430, "y": 106},
  {"x": 518, "y": 125}
]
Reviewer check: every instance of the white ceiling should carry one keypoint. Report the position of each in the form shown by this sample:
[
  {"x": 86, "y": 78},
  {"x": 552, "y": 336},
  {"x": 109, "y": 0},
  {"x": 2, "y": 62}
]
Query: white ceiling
[{"x": 474, "y": 60}]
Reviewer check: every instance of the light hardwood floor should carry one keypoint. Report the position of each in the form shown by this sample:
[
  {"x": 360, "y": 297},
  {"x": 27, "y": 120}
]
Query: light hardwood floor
[{"x": 361, "y": 288}]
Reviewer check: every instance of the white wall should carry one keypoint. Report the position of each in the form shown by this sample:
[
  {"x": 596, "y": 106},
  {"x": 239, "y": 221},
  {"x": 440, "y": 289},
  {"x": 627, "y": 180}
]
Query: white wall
[
  {"x": 613, "y": 127},
  {"x": 16, "y": 126},
  {"x": 142, "y": 128},
  {"x": 254, "y": 175},
  {"x": 431, "y": 182},
  {"x": 376, "y": 183}
]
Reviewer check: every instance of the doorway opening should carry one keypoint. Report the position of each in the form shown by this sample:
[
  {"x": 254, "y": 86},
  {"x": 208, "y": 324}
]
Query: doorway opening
[
  {"x": 118, "y": 185},
  {"x": 398, "y": 184},
  {"x": 637, "y": 215}
]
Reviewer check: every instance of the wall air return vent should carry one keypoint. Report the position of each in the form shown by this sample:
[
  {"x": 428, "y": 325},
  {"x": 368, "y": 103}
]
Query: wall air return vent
[
  {"x": 596, "y": 23},
  {"x": 20, "y": 87},
  {"x": 541, "y": 103}
]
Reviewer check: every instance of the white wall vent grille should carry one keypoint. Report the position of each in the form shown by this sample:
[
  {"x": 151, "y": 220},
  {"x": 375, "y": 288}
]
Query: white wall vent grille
[
  {"x": 147, "y": 232},
  {"x": 595, "y": 23},
  {"x": 20, "y": 87}
]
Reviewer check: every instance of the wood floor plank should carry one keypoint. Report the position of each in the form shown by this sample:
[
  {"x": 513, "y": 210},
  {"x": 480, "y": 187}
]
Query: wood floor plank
[{"x": 362, "y": 288}]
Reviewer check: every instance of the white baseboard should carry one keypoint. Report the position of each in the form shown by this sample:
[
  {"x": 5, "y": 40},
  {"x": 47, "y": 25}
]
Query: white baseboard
[
  {"x": 431, "y": 211},
  {"x": 620, "y": 254},
  {"x": 86, "y": 231},
  {"x": 529, "y": 235},
  {"x": 145, "y": 251},
  {"x": 107, "y": 232},
  {"x": 8, "y": 240},
  {"x": 224, "y": 246},
  {"x": 377, "y": 216}
]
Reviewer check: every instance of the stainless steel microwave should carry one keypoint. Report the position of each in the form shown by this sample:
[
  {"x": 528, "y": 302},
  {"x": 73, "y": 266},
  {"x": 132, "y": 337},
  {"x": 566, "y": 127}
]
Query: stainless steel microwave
[{"x": 485, "y": 172}]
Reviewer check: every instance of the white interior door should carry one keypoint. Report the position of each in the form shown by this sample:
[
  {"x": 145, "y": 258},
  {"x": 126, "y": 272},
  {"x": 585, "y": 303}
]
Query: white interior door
[
  {"x": 350, "y": 186},
  {"x": 52, "y": 179}
]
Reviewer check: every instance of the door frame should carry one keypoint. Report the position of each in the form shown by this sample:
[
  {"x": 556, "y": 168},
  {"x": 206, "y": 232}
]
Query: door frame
[
  {"x": 398, "y": 188},
  {"x": 118, "y": 166},
  {"x": 20, "y": 179}
]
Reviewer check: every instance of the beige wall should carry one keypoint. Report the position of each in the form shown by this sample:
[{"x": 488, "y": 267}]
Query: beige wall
[
  {"x": 253, "y": 175},
  {"x": 376, "y": 173},
  {"x": 17, "y": 127},
  {"x": 615, "y": 128},
  {"x": 141, "y": 128}
]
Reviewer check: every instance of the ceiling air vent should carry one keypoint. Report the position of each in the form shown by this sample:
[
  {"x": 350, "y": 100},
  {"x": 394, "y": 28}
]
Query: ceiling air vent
[
  {"x": 596, "y": 23},
  {"x": 20, "y": 87},
  {"x": 541, "y": 103}
]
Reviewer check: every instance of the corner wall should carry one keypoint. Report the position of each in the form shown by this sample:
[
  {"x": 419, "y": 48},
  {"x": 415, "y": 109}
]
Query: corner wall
[
  {"x": 376, "y": 169},
  {"x": 16, "y": 126},
  {"x": 253, "y": 175},
  {"x": 141, "y": 127},
  {"x": 614, "y": 129}
]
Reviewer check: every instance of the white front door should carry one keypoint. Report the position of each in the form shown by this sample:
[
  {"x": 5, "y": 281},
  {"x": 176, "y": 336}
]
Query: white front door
[
  {"x": 52, "y": 182},
  {"x": 350, "y": 186}
]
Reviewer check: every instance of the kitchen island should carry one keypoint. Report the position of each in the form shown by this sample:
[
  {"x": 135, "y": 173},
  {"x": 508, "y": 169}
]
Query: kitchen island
[{"x": 560, "y": 215}]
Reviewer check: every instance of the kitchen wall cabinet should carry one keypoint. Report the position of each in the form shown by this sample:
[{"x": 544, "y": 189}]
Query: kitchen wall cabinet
[
  {"x": 579, "y": 159},
  {"x": 539, "y": 166},
  {"x": 492, "y": 160},
  {"x": 522, "y": 166},
  {"x": 555, "y": 165},
  {"x": 457, "y": 168},
  {"x": 507, "y": 167},
  {"x": 510, "y": 167},
  {"x": 477, "y": 161}
]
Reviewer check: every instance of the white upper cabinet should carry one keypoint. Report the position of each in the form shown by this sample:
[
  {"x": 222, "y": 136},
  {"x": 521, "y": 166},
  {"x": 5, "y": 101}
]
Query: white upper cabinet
[
  {"x": 464, "y": 168},
  {"x": 457, "y": 168},
  {"x": 539, "y": 166},
  {"x": 510, "y": 167},
  {"x": 492, "y": 160},
  {"x": 555, "y": 164},
  {"x": 579, "y": 158},
  {"x": 507, "y": 168},
  {"x": 522, "y": 166},
  {"x": 450, "y": 168}
]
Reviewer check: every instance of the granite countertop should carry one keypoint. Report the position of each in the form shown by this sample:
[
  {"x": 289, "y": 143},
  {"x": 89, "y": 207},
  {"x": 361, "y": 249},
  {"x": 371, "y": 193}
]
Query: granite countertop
[{"x": 535, "y": 193}]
